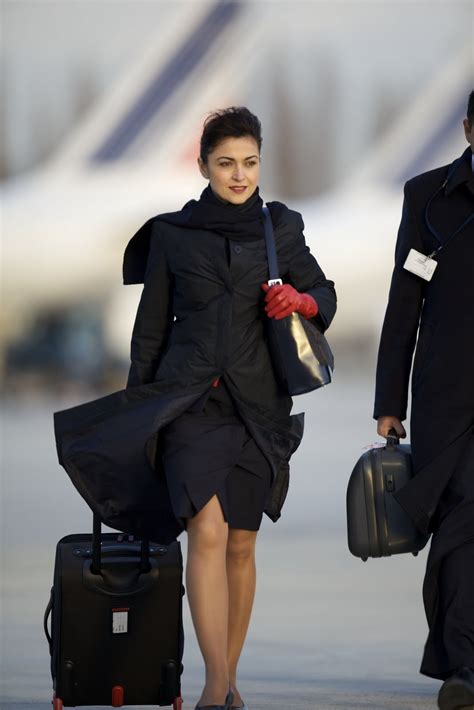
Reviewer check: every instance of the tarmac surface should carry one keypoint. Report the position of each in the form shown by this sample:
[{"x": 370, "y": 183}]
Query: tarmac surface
[
  {"x": 310, "y": 698},
  {"x": 327, "y": 630}
]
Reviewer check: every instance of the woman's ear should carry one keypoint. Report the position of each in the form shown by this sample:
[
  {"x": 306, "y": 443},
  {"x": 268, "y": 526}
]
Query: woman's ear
[{"x": 203, "y": 168}]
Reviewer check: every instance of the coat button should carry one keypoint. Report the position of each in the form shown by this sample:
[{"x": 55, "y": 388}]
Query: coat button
[{"x": 237, "y": 248}]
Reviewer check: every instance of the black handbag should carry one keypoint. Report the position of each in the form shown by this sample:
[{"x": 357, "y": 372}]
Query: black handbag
[{"x": 300, "y": 353}]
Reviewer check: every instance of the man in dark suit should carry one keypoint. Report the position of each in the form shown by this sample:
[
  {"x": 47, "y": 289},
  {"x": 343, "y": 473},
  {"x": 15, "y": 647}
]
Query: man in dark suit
[{"x": 431, "y": 302}]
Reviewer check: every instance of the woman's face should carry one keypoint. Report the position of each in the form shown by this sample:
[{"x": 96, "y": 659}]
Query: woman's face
[{"x": 233, "y": 169}]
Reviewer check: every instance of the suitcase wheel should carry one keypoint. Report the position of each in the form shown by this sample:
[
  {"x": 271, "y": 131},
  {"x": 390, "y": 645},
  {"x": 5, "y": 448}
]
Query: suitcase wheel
[
  {"x": 117, "y": 696},
  {"x": 57, "y": 703},
  {"x": 178, "y": 703}
]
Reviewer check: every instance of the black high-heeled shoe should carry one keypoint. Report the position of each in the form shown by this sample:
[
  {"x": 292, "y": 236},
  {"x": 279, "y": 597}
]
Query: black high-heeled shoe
[
  {"x": 239, "y": 707},
  {"x": 227, "y": 703}
]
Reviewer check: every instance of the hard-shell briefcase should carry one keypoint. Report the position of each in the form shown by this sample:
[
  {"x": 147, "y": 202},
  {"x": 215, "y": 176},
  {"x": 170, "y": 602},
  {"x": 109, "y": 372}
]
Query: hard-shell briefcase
[
  {"x": 377, "y": 526},
  {"x": 116, "y": 621}
]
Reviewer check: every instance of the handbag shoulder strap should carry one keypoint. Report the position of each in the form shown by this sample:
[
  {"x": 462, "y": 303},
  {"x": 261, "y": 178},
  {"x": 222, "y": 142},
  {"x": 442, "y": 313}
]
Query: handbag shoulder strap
[{"x": 274, "y": 277}]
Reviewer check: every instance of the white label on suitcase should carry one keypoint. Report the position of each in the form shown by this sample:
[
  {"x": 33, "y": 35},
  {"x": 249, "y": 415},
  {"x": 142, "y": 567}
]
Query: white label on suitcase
[{"x": 120, "y": 621}]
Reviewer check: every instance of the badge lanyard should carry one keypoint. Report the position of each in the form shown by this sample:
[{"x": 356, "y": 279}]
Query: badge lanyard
[
  {"x": 424, "y": 265},
  {"x": 433, "y": 231}
]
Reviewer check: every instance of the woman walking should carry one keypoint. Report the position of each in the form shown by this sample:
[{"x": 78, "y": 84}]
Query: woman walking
[{"x": 223, "y": 432}]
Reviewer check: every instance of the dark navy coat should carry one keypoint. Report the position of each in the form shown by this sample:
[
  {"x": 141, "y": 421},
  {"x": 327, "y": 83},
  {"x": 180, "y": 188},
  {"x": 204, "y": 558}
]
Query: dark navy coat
[
  {"x": 200, "y": 316},
  {"x": 439, "y": 316},
  {"x": 441, "y": 313}
]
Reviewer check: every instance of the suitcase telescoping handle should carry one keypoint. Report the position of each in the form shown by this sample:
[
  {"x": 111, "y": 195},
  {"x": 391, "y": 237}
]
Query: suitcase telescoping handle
[{"x": 96, "y": 549}]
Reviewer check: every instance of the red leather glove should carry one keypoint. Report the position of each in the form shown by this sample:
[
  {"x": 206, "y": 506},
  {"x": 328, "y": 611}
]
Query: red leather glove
[{"x": 283, "y": 299}]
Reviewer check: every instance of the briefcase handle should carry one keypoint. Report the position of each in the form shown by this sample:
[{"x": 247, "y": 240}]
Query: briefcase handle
[
  {"x": 392, "y": 439},
  {"x": 145, "y": 565}
]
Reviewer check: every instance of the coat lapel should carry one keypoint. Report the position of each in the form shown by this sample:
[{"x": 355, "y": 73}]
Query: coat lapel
[{"x": 462, "y": 174}]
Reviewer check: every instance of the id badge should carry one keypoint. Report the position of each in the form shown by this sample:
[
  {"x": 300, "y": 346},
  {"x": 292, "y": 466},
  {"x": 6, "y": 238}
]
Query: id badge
[{"x": 420, "y": 264}]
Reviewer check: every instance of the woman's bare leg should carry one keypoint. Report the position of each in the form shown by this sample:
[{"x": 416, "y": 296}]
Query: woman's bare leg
[
  {"x": 207, "y": 592},
  {"x": 241, "y": 576}
]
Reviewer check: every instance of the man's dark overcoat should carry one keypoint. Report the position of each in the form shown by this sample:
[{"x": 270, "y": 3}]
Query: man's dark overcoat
[
  {"x": 441, "y": 314},
  {"x": 200, "y": 316}
]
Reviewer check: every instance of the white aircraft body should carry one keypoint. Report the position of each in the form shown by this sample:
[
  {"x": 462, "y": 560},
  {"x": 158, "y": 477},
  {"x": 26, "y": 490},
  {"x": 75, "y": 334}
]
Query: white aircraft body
[{"x": 67, "y": 224}]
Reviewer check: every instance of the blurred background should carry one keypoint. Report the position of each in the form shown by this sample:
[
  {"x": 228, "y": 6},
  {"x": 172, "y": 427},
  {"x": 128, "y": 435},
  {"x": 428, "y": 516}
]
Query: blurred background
[{"x": 103, "y": 104}]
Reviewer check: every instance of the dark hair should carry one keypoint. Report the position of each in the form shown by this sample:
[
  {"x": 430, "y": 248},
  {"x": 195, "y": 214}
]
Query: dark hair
[
  {"x": 232, "y": 122},
  {"x": 470, "y": 108}
]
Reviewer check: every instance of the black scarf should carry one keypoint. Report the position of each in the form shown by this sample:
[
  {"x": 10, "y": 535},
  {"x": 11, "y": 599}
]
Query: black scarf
[{"x": 240, "y": 222}]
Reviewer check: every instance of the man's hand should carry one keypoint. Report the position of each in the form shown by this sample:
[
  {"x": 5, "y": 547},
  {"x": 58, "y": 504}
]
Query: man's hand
[
  {"x": 283, "y": 299},
  {"x": 384, "y": 424}
]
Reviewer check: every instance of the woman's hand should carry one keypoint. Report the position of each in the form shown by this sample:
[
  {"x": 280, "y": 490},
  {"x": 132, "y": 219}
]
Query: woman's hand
[
  {"x": 283, "y": 299},
  {"x": 384, "y": 424}
]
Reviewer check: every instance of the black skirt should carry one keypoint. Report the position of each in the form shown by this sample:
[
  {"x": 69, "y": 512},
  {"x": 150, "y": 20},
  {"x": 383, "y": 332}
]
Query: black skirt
[{"x": 208, "y": 450}]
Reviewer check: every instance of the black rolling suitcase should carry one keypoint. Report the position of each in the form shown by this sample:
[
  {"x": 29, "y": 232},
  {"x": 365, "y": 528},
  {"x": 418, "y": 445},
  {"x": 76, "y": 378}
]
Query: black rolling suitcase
[
  {"x": 116, "y": 621},
  {"x": 377, "y": 526}
]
